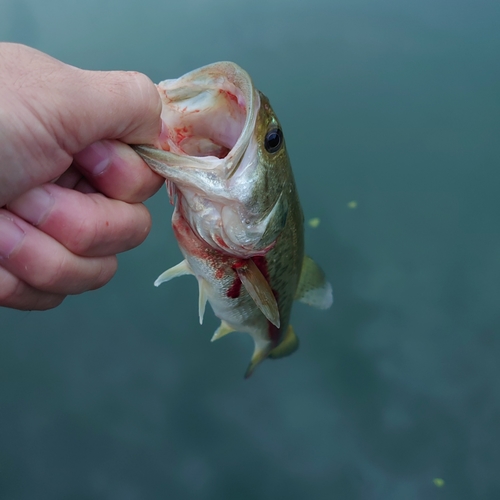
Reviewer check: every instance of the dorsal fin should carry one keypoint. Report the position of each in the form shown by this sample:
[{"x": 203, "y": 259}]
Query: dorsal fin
[
  {"x": 259, "y": 289},
  {"x": 313, "y": 289}
]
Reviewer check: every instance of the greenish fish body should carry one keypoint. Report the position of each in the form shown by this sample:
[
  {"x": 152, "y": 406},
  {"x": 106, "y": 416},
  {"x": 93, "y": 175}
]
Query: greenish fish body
[{"x": 237, "y": 218}]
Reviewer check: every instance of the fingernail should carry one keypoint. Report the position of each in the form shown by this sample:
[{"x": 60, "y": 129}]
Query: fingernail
[
  {"x": 94, "y": 159},
  {"x": 11, "y": 236},
  {"x": 33, "y": 206}
]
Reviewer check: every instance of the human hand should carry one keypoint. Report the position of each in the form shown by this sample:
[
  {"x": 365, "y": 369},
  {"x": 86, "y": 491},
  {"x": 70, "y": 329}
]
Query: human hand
[{"x": 70, "y": 188}]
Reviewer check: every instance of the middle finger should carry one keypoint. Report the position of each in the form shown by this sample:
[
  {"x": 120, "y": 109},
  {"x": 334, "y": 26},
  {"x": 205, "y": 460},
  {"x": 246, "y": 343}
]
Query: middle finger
[{"x": 87, "y": 224}]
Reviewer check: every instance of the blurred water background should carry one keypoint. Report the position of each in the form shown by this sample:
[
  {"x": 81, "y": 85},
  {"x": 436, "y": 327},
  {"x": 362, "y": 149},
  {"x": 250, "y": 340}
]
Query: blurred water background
[{"x": 118, "y": 393}]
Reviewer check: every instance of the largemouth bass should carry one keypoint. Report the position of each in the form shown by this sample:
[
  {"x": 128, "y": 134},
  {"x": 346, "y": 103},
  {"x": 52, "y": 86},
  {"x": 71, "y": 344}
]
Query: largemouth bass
[{"x": 237, "y": 217}]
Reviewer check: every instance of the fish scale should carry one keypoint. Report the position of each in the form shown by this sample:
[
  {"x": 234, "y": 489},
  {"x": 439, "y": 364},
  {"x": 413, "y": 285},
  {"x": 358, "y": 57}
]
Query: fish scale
[{"x": 237, "y": 217}]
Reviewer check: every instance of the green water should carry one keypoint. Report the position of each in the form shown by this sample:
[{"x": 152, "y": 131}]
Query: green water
[{"x": 118, "y": 393}]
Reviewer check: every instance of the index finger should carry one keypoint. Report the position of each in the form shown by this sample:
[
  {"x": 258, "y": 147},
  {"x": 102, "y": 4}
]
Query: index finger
[{"x": 116, "y": 170}]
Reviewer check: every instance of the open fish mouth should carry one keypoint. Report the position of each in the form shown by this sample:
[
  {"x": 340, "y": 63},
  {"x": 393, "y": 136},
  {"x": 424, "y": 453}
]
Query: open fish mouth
[
  {"x": 202, "y": 121},
  {"x": 208, "y": 118}
]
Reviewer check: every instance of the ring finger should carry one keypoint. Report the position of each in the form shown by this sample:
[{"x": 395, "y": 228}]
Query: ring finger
[{"x": 43, "y": 263}]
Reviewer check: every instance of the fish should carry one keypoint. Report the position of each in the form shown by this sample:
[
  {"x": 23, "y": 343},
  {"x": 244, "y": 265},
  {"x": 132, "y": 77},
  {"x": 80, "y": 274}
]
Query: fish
[{"x": 237, "y": 216}]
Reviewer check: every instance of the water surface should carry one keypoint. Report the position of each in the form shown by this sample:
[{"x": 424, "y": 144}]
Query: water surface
[{"x": 118, "y": 393}]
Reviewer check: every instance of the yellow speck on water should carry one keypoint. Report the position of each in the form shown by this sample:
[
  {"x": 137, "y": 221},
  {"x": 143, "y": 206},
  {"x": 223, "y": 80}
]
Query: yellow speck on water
[
  {"x": 352, "y": 204},
  {"x": 438, "y": 482},
  {"x": 314, "y": 222}
]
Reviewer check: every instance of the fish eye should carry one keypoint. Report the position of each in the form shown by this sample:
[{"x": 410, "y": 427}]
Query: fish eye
[{"x": 274, "y": 140}]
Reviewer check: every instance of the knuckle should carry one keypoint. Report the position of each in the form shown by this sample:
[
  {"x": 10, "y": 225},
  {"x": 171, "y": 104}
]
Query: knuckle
[
  {"x": 147, "y": 97},
  {"x": 47, "y": 301},
  {"x": 84, "y": 231},
  {"x": 142, "y": 226},
  {"x": 84, "y": 237},
  {"x": 74, "y": 276},
  {"x": 52, "y": 275},
  {"x": 16, "y": 294},
  {"x": 145, "y": 86},
  {"x": 10, "y": 288},
  {"x": 107, "y": 270}
]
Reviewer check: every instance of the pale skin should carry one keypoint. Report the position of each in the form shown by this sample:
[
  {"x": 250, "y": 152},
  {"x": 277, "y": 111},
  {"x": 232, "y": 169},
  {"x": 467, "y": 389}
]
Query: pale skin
[{"x": 71, "y": 189}]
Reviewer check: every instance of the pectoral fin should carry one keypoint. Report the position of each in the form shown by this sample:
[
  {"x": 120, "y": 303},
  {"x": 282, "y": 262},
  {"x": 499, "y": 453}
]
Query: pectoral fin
[
  {"x": 259, "y": 289},
  {"x": 178, "y": 270},
  {"x": 313, "y": 289},
  {"x": 287, "y": 346}
]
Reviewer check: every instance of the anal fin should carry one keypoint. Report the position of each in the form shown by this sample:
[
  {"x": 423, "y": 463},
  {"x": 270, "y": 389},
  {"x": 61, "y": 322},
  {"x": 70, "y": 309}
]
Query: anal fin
[
  {"x": 222, "y": 331},
  {"x": 259, "y": 289},
  {"x": 179, "y": 270},
  {"x": 259, "y": 355},
  {"x": 313, "y": 289},
  {"x": 287, "y": 346},
  {"x": 202, "y": 298}
]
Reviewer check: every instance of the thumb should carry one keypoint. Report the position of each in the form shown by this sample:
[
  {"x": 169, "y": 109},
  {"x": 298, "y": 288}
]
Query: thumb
[
  {"x": 99, "y": 105},
  {"x": 51, "y": 111}
]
